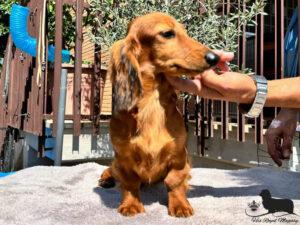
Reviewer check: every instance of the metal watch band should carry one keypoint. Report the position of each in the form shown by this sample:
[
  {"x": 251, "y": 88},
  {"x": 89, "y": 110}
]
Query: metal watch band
[{"x": 260, "y": 98}]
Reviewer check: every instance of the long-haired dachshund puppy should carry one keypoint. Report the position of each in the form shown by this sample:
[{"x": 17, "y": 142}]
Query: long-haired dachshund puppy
[{"x": 146, "y": 129}]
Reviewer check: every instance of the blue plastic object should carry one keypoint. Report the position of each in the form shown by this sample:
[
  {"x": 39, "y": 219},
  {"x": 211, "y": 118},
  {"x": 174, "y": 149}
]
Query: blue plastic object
[
  {"x": 21, "y": 38},
  {"x": 291, "y": 48},
  {"x": 5, "y": 174}
]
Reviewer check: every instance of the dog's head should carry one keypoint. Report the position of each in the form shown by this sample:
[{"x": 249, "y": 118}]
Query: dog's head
[
  {"x": 158, "y": 41},
  {"x": 265, "y": 194}
]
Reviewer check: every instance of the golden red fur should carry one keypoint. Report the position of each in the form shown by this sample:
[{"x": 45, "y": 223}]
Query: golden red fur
[{"x": 147, "y": 130}]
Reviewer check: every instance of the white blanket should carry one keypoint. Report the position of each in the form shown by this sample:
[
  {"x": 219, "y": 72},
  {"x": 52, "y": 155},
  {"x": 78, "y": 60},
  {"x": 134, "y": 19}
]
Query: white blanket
[{"x": 70, "y": 196}]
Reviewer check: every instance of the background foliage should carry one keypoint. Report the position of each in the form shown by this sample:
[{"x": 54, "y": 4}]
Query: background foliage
[
  {"x": 210, "y": 28},
  {"x": 69, "y": 24}
]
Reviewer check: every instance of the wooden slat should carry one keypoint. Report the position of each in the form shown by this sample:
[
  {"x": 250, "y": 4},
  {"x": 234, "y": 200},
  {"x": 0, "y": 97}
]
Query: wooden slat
[
  {"x": 78, "y": 69},
  {"x": 29, "y": 122},
  {"x": 46, "y": 73},
  {"x": 42, "y": 91},
  {"x": 38, "y": 100},
  {"x": 97, "y": 85},
  {"x": 3, "y": 121}
]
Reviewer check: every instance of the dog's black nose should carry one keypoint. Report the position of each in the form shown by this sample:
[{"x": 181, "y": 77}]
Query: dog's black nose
[{"x": 212, "y": 59}]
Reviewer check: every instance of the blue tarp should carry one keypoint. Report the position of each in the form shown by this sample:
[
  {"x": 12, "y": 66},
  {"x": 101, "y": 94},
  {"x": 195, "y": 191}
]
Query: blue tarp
[{"x": 291, "y": 48}]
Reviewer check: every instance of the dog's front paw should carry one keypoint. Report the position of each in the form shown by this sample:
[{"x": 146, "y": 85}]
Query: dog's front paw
[
  {"x": 181, "y": 209},
  {"x": 107, "y": 180},
  {"x": 131, "y": 209},
  {"x": 108, "y": 183}
]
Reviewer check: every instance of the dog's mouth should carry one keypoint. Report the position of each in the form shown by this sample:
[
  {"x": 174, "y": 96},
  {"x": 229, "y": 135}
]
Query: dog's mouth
[{"x": 188, "y": 71}]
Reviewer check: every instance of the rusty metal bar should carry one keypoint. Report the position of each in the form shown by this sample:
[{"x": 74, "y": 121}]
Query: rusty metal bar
[
  {"x": 73, "y": 3},
  {"x": 228, "y": 7},
  {"x": 186, "y": 113},
  {"x": 78, "y": 68},
  {"x": 58, "y": 58},
  {"x": 224, "y": 104},
  {"x": 241, "y": 63},
  {"x": 197, "y": 125},
  {"x": 259, "y": 69},
  {"x": 279, "y": 42},
  {"x": 224, "y": 120},
  {"x": 210, "y": 119},
  {"x": 202, "y": 125}
]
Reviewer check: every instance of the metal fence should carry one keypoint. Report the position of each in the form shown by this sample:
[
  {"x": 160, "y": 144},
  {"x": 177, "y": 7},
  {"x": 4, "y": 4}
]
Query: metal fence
[{"x": 260, "y": 50}]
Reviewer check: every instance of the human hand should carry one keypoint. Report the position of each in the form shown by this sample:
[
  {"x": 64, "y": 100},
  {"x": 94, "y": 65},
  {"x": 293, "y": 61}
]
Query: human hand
[
  {"x": 194, "y": 86},
  {"x": 280, "y": 135},
  {"x": 222, "y": 85}
]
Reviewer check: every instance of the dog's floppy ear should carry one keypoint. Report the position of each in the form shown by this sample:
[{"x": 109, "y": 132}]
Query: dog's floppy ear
[{"x": 125, "y": 74}]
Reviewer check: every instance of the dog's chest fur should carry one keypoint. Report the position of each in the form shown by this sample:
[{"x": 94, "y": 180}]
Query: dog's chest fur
[
  {"x": 153, "y": 137},
  {"x": 154, "y": 142}
]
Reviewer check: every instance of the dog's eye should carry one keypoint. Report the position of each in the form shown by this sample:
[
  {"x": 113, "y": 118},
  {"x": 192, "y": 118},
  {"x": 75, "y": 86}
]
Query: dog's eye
[{"x": 168, "y": 34}]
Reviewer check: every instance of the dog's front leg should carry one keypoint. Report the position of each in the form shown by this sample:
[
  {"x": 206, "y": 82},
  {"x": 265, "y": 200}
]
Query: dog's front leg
[
  {"x": 177, "y": 186},
  {"x": 131, "y": 200}
]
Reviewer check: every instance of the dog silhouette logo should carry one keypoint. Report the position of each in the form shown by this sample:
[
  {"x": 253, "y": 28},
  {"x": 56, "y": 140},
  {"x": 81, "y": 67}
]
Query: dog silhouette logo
[{"x": 272, "y": 205}]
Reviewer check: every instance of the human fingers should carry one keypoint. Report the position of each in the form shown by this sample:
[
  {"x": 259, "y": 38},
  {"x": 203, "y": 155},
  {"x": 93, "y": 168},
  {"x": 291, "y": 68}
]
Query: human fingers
[
  {"x": 287, "y": 147},
  {"x": 224, "y": 56},
  {"x": 212, "y": 80},
  {"x": 273, "y": 144},
  {"x": 191, "y": 86},
  {"x": 194, "y": 87}
]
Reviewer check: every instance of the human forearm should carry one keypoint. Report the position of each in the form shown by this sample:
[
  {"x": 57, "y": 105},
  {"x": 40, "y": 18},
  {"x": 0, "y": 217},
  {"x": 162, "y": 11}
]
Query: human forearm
[
  {"x": 284, "y": 93},
  {"x": 241, "y": 88}
]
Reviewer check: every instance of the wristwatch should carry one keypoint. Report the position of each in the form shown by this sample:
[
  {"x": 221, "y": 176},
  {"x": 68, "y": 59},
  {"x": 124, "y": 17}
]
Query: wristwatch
[{"x": 254, "y": 110}]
